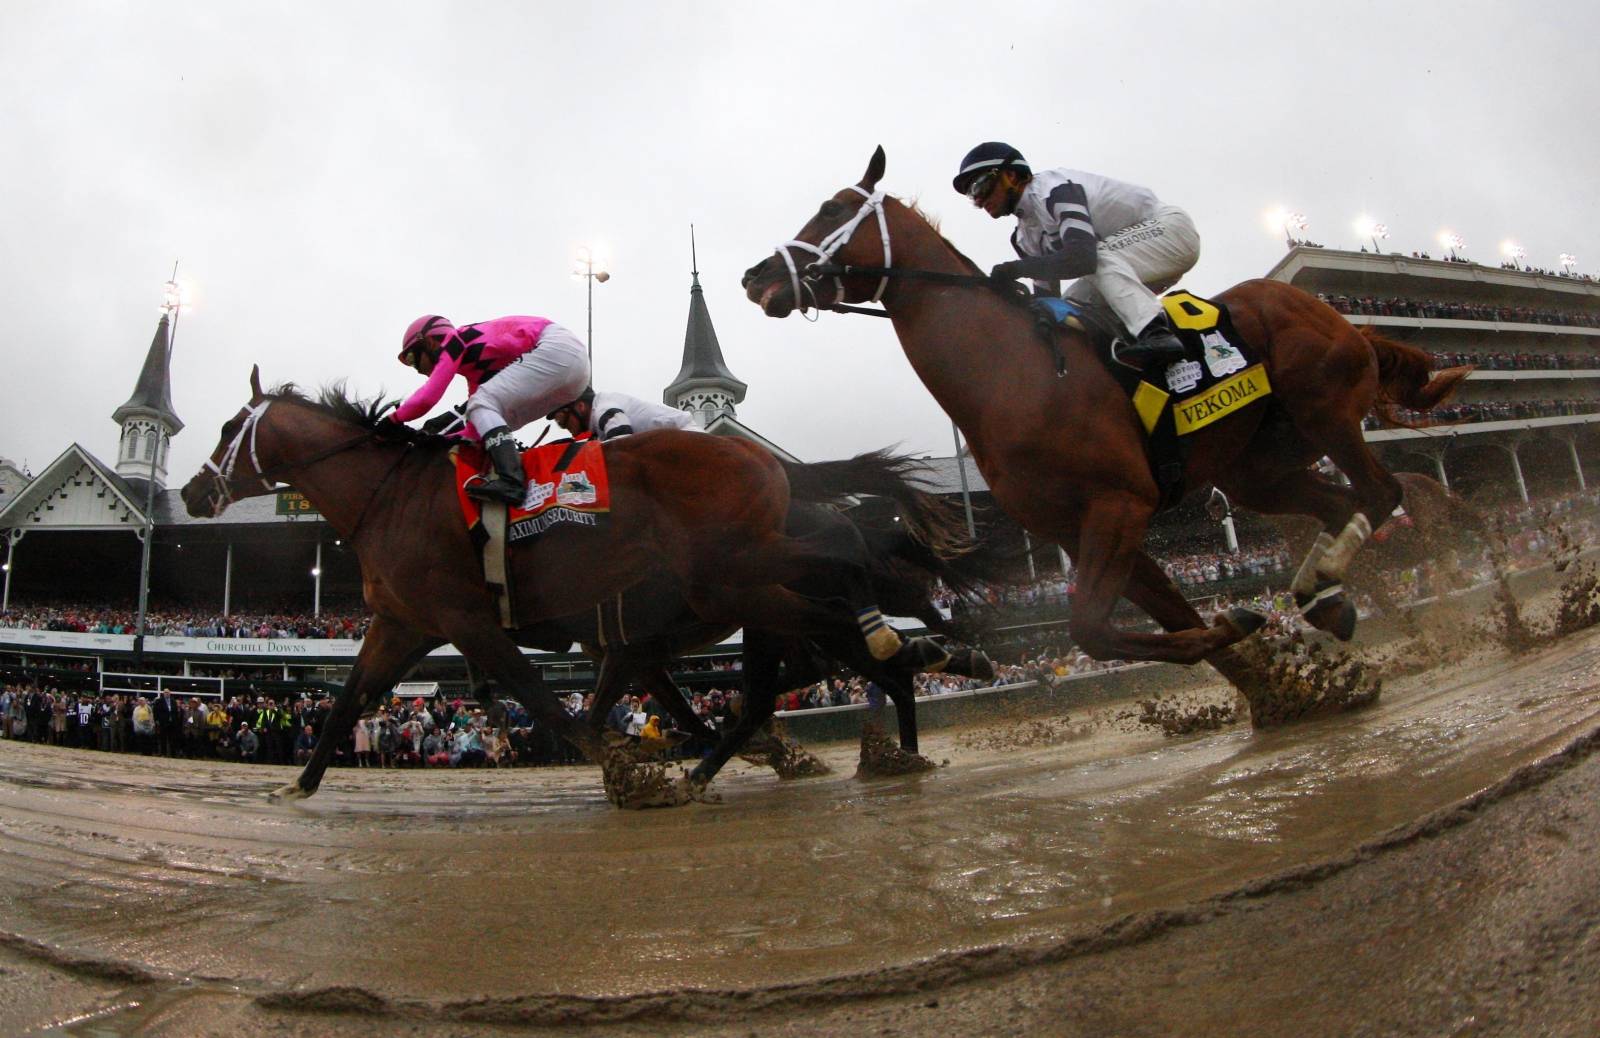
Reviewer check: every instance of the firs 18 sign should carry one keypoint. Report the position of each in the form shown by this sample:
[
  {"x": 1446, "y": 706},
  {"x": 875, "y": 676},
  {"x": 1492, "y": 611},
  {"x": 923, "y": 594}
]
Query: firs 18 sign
[{"x": 292, "y": 503}]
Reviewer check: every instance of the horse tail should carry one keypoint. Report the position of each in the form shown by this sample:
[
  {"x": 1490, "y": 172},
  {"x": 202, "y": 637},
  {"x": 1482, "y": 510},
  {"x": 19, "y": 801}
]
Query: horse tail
[
  {"x": 931, "y": 520},
  {"x": 1406, "y": 378}
]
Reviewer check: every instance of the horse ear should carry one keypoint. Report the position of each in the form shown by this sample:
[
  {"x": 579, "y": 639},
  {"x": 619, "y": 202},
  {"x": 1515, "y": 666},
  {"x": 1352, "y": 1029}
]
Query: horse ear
[
  {"x": 875, "y": 170},
  {"x": 255, "y": 382}
]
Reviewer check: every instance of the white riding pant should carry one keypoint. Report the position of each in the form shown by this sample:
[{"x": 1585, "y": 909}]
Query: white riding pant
[
  {"x": 1136, "y": 263},
  {"x": 553, "y": 373}
]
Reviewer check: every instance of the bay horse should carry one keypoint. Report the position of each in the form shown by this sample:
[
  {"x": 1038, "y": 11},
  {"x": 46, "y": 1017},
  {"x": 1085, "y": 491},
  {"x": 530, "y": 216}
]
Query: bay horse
[
  {"x": 657, "y": 624},
  {"x": 708, "y": 509},
  {"x": 1066, "y": 456}
]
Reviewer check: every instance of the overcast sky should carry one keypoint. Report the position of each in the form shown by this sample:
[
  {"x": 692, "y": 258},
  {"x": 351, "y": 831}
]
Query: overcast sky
[{"x": 325, "y": 172}]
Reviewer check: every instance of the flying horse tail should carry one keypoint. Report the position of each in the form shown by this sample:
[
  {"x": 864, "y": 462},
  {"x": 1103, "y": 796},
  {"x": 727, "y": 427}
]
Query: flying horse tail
[
  {"x": 898, "y": 477},
  {"x": 1406, "y": 379}
]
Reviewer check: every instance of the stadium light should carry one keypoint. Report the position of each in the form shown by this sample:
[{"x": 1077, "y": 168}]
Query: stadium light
[
  {"x": 589, "y": 266},
  {"x": 1281, "y": 219},
  {"x": 1367, "y": 227},
  {"x": 1514, "y": 252},
  {"x": 1453, "y": 242},
  {"x": 1568, "y": 261}
]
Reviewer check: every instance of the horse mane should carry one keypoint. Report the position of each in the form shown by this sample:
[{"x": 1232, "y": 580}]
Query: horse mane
[
  {"x": 335, "y": 401},
  {"x": 1019, "y": 298}
]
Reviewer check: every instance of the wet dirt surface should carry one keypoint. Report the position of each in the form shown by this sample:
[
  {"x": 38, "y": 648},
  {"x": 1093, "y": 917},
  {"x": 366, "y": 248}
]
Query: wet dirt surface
[{"x": 524, "y": 898}]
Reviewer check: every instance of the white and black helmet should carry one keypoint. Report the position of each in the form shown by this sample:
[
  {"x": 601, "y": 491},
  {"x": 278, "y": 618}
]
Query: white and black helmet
[{"x": 990, "y": 155}]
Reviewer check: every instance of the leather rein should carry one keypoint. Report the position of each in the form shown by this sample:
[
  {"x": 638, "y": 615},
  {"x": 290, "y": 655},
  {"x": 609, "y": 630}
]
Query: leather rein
[{"x": 270, "y": 476}]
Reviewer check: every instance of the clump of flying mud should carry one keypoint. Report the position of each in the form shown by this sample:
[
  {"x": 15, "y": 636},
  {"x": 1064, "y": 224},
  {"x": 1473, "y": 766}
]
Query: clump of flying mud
[
  {"x": 881, "y": 756},
  {"x": 776, "y": 750},
  {"x": 1028, "y": 734},
  {"x": 635, "y": 779},
  {"x": 1290, "y": 678},
  {"x": 1175, "y": 717},
  {"x": 1578, "y": 604}
]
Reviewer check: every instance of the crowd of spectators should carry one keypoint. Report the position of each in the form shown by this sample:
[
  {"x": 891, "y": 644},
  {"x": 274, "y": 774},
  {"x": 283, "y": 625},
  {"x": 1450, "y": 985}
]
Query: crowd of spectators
[
  {"x": 1394, "y": 306},
  {"x": 1492, "y": 411},
  {"x": 1520, "y": 361},
  {"x": 1562, "y": 273},
  {"x": 280, "y": 730},
  {"x": 102, "y": 620}
]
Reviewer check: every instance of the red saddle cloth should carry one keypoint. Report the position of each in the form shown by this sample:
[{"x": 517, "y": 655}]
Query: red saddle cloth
[{"x": 566, "y": 483}]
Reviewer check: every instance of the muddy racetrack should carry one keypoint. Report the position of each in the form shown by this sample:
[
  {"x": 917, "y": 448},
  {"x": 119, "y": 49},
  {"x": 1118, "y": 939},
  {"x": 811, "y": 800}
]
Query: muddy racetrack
[{"x": 1428, "y": 866}]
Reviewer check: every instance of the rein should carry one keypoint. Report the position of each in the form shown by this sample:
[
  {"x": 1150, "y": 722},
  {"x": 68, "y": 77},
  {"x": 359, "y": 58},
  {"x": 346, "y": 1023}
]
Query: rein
[{"x": 270, "y": 477}]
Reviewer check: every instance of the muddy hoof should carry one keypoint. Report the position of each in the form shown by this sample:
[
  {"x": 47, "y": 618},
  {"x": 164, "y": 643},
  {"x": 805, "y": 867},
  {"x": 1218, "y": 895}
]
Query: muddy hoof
[
  {"x": 970, "y": 663},
  {"x": 881, "y": 757},
  {"x": 1244, "y": 621},
  {"x": 1336, "y": 615},
  {"x": 699, "y": 790},
  {"x": 285, "y": 793}
]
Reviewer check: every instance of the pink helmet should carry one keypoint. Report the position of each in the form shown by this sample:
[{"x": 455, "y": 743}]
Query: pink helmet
[{"x": 418, "y": 333}]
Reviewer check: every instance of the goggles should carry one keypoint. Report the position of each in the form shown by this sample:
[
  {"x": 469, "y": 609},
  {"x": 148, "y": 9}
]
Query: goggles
[{"x": 981, "y": 185}]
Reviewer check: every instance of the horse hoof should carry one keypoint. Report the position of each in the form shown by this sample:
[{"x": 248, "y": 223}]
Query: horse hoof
[
  {"x": 698, "y": 790},
  {"x": 290, "y": 792},
  {"x": 1335, "y": 615},
  {"x": 1244, "y": 622},
  {"x": 971, "y": 663}
]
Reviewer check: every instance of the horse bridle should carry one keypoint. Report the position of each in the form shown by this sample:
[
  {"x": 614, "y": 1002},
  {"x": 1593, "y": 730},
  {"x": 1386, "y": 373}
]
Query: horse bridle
[
  {"x": 829, "y": 247},
  {"x": 826, "y": 265},
  {"x": 222, "y": 475}
]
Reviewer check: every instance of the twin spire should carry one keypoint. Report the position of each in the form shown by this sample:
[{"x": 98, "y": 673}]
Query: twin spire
[{"x": 704, "y": 386}]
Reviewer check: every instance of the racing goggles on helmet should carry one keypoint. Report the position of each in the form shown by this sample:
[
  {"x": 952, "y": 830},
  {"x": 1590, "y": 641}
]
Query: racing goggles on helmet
[
  {"x": 980, "y": 186},
  {"x": 421, "y": 345}
]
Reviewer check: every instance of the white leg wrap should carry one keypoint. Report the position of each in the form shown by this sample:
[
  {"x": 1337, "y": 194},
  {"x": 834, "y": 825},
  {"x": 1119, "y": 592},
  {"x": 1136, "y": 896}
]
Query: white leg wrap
[
  {"x": 1345, "y": 546},
  {"x": 1305, "y": 578}
]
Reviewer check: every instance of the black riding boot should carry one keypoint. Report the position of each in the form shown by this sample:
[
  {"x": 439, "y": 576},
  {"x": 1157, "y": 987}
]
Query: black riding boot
[
  {"x": 1156, "y": 346},
  {"x": 509, "y": 484}
]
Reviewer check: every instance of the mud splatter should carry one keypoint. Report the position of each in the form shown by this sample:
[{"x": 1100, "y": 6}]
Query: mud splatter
[
  {"x": 1175, "y": 717},
  {"x": 881, "y": 756},
  {"x": 776, "y": 750},
  {"x": 1290, "y": 678},
  {"x": 1578, "y": 607},
  {"x": 634, "y": 781},
  {"x": 1023, "y": 735}
]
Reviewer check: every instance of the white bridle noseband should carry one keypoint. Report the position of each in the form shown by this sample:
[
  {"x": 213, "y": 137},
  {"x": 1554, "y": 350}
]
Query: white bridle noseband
[
  {"x": 830, "y": 246},
  {"x": 223, "y": 473}
]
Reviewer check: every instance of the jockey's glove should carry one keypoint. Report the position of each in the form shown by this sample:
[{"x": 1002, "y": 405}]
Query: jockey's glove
[{"x": 1005, "y": 273}]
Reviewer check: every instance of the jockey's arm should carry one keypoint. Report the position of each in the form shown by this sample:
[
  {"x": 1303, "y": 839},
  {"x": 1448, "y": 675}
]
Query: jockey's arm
[
  {"x": 1067, "y": 210},
  {"x": 611, "y": 423},
  {"x": 429, "y": 393}
]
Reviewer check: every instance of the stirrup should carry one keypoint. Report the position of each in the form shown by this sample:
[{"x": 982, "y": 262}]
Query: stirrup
[{"x": 497, "y": 490}]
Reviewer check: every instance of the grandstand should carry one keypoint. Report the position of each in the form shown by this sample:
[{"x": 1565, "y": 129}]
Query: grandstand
[{"x": 72, "y": 533}]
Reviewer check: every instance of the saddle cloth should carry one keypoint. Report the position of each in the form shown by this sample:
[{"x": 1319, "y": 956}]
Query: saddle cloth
[
  {"x": 1227, "y": 375},
  {"x": 1220, "y": 374},
  {"x": 566, "y": 483}
]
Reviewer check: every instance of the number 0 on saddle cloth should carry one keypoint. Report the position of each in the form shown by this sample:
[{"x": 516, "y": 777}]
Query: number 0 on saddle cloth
[
  {"x": 1227, "y": 377},
  {"x": 566, "y": 484}
]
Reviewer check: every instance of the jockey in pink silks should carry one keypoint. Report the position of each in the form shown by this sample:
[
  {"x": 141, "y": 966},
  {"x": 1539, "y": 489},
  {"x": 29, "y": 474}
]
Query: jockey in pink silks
[{"x": 517, "y": 369}]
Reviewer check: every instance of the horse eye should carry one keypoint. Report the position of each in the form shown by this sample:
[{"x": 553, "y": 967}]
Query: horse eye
[{"x": 830, "y": 209}]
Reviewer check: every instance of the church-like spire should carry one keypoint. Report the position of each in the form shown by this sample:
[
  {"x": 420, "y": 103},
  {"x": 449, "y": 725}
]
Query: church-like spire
[
  {"x": 704, "y": 386},
  {"x": 147, "y": 419}
]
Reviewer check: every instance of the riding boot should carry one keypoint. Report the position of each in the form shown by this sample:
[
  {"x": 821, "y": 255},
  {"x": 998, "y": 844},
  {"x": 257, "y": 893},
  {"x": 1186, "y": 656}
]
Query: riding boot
[
  {"x": 1156, "y": 346},
  {"x": 509, "y": 483}
]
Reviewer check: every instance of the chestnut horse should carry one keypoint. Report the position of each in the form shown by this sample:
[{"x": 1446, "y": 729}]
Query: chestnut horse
[
  {"x": 1066, "y": 457},
  {"x": 708, "y": 509}
]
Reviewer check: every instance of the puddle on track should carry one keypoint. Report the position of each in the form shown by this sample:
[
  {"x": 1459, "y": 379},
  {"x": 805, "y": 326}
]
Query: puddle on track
[{"x": 444, "y": 886}]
